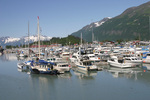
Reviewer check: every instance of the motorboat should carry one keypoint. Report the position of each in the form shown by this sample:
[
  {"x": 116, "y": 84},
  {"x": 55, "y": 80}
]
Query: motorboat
[
  {"x": 62, "y": 67},
  {"x": 93, "y": 58},
  {"x": 54, "y": 59},
  {"x": 20, "y": 65},
  {"x": 119, "y": 62},
  {"x": 134, "y": 60},
  {"x": 86, "y": 65},
  {"x": 73, "y": 59},
  {"x": 65, "y": 55},
  {"x": 27, "y": 63}
]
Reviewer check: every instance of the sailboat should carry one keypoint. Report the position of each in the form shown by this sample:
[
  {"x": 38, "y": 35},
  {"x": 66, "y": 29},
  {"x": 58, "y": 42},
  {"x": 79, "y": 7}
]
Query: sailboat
[
  {"x": 40, "y": 66},
  {"x": 22, "y": 65}
]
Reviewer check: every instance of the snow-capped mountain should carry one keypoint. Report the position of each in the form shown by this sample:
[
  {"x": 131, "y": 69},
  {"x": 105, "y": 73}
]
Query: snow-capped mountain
[
  {"x": 96, "y": 24},
  {"x": 99, "y": 23},
  {"x": 87, "y": 30},
  {"x": 18, "y": 41},
  {"x": 10, "y": 39}
]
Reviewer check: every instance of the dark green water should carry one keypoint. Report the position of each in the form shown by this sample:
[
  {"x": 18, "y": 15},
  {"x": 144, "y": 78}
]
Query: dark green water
[{"x": 131, "y": 84}]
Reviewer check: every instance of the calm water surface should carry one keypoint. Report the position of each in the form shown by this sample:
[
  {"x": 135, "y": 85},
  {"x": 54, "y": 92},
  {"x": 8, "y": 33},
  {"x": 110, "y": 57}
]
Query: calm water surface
[{"x": 131, "y": 84}]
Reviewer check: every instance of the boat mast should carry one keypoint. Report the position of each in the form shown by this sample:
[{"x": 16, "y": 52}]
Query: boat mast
[
  {"x": 92, "y": 31},
  {"x": 38, "y": 37},
  {"x": 149, "y": 24},
  {"x": 80, "y": 47},
  {"x": 28, "y": 41},
  {"x": 92, "y": 34},
  {"x": 81, "y": 39}
]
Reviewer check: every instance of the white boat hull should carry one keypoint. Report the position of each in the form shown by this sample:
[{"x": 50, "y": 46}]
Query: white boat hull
[
  {"x": 120, "y": 65},
  {"x": 20, "y": 65},
  {"x": 146, "y": 61},
  {"x": 87, "y": 68},
  {"x": 62, "y": 70}
]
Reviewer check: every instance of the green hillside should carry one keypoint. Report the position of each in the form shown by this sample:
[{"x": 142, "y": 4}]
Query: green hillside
[
  {"x": 133, "y": 23},
  {"x": 69, "y": 40}
]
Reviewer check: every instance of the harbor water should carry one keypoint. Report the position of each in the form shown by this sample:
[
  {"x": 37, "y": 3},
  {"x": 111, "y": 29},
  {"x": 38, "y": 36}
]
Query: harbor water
[{"x": 108, "y": 84}]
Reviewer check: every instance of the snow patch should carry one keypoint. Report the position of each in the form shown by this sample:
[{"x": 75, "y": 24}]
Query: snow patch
[
  {"x": 98, "y": 24},
  {"x": 35, "y": 38},
  {"x": 109, "y": 17},
  {"x": 11, "y": 40}
]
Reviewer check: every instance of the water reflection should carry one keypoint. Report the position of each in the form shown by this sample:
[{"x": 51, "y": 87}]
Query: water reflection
[
  {"x": 67, "y": 75},
  {"x": 137, "y": 73},
  {"x": 146, "y": 67},
  {"x": 128, "y": 72},
  {"x": 85, "y": 74},
  {"x": 44, "y": 86},
  {"x": 128, "y": 84},
  {"x": 11, "y": 57},
  {"x": 21, "y": 58},
  {"x": 8, "y": 57},
  {"x": 25, "y": 69}
]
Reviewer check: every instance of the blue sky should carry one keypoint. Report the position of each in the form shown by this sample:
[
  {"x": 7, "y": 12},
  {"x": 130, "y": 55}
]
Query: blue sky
[{"x": 58, "y": 18}]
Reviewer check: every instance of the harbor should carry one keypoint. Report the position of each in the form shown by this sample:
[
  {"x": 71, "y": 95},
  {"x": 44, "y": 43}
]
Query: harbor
[
  {"x": 109, "y": 83},
  {"x": 75, "y": 50}
]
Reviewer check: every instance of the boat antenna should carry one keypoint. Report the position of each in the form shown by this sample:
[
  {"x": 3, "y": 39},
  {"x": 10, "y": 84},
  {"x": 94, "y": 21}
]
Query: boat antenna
[{"x": 38, "y": 36}]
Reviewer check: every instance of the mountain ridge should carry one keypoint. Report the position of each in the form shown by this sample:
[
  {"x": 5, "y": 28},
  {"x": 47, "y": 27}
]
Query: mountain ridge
[
  {"x": 86, "y": 30},
  {"x": 22, "y": 40},
  {"x": 133, "y": 23}
]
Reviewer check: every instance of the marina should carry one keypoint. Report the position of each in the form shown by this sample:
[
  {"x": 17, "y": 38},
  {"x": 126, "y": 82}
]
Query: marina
[
  {"x": 65, "y": 56},
  {"x": 110, "y": 83}
]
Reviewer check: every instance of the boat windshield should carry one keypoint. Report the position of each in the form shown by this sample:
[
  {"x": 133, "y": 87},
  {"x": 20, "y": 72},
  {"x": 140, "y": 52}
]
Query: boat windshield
[
  {"x": 64, "y": 65},
  {"x": 148, "y": 54},
  {"x": 120, "y": 61},
  {"x": 87, "y": 63}
]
